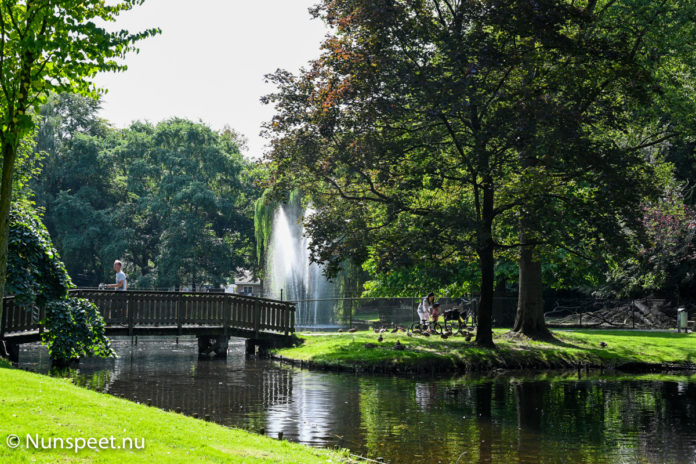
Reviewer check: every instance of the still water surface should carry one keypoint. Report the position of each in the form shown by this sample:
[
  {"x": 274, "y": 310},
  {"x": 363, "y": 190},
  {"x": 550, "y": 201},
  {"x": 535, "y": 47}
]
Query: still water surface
[{"x": 552, "y": 418}]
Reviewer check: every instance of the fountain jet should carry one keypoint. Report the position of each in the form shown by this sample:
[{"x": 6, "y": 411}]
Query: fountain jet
[{"x": 288, "y": 268}]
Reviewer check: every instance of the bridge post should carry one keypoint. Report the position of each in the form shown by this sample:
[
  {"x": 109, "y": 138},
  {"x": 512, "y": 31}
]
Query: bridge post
[
  {"x": 221, "y": 344},
  {"x": 8, "y": 305},
  {"x": 291, "y": 310},
  {"x": 213, "y": 344},
  {"x": 204, "y": 345},
  {"x": 250, "y": 346},
  {"x": 227, "y": 309},
  {"x": 257, "y": 313},
  {"x": 286, "y": 319},
  {"x": 131, "y": 316},
  {"x": 179, "y": 313}
]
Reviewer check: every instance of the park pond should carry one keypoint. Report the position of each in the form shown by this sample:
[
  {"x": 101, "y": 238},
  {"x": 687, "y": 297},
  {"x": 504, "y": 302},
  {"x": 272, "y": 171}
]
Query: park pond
[{"x": 507, "y": 417}]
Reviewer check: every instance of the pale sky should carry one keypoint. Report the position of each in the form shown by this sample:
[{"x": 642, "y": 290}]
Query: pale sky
[{"x": 208, "y": 64}]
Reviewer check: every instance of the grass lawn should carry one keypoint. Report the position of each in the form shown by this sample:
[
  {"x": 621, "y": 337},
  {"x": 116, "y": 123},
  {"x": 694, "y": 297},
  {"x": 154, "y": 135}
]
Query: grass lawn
[
  {"x": 51, "y": 407},
  {"x": 573, "y": 347},
  {"x": 369, "y": 317}
]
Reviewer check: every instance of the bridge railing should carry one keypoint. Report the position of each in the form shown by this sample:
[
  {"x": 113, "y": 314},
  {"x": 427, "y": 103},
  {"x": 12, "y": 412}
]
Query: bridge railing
[
  {"x": 16, "y": 318},
  {"x": 168, "y": 309}
]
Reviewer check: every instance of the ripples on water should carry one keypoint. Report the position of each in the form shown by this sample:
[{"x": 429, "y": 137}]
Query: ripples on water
[{"x": 553, "y": 418}]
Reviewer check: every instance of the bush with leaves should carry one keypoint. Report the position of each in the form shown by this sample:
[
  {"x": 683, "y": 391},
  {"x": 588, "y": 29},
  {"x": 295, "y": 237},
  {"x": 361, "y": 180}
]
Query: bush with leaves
[
  {"x": 35, "y": 273},
  {"x": 75, "y": 329},
  {"x": 37, "y": 278}
]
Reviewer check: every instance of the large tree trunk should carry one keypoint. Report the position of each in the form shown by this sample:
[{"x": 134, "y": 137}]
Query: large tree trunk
[
  {"x": 8, "y": 159},
  {"x": 484, "y": 331},
  {"x": 529, "y": 320}
]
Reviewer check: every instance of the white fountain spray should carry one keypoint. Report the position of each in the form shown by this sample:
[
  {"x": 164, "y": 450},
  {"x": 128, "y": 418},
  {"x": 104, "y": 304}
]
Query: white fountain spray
[{"x": 288, "y": 268}]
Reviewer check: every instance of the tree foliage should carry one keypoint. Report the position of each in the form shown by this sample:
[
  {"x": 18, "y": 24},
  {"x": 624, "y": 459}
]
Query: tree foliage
[
  {"x": 50, "y": 46},
  {"x": 430, "y": 130},
  {"x": 38, "y": 279},
  {"x": 74, "y": 329},
  {"x": 35, "y": 274},
  {"x": 174, "y": 200},
  {"x": 663, "y": 262}
]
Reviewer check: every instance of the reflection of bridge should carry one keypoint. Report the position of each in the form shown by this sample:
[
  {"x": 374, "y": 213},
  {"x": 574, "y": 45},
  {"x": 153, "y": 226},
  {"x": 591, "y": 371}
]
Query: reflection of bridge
[
  {"x": 210, "y": 388},
  {"x": 212, "y": 317}
]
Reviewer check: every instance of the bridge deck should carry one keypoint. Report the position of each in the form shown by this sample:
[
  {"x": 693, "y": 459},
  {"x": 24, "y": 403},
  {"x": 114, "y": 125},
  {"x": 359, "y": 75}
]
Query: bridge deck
[{"x": 165, "y": 313}]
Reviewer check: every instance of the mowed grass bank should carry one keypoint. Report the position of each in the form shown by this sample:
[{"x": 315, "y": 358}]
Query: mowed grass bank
[
  {"x": 50, "y": 407},
  {"x": 573, "y": 348}
]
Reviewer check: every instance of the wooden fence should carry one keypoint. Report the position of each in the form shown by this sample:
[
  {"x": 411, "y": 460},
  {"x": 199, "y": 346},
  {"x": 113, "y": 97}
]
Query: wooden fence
[{"x": 167, "y": 309}]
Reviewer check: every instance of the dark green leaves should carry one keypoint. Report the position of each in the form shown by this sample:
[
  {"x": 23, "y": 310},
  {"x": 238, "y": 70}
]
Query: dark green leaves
[{"x": 74, "y": 329}]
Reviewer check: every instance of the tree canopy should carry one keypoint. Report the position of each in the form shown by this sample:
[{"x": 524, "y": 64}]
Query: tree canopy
[
  {"x": 50, "y": 46},
  {"x": 456, "y": 131},
  {"x": 173, "y": 200}
]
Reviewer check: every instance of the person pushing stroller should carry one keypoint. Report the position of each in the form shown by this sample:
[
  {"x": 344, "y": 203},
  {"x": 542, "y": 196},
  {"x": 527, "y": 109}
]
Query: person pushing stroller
[{"x": 426, "y": 308}]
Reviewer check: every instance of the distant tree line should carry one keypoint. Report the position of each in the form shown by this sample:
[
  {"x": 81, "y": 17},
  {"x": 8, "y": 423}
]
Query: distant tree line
[{"x": 174, "y": 200}]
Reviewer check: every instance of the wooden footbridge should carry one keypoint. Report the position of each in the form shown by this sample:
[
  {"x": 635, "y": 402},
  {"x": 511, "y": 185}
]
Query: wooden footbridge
[{"x": 212, "y": 317}]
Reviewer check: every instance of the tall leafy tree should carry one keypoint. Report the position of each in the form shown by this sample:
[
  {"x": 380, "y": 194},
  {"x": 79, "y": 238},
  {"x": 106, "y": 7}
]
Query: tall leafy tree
[
  {"x": 192, "y": 190},
  {"x": 173, "y": 199},
  {"x": 77, "y": 186},
  {"x": 51, "y": 45},
  {"x": 443, "y": 128},
  {"x": 597, "y": 123}
]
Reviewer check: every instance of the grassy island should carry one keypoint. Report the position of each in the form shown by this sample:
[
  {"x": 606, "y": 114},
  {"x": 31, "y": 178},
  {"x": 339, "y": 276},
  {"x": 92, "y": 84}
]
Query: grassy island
[
  {"x": 612, "y": 349},
  {"x": 55, "y": 408}
]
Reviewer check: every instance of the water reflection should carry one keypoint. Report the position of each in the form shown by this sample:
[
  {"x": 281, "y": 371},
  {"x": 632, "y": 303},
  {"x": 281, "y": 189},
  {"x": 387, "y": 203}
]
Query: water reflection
[{"x": 512, "y": 418}]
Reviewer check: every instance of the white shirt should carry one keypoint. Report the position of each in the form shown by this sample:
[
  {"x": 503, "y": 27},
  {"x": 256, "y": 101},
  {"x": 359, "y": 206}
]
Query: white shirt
[
  {"x": 121, "y": 277},
  {"x": 425, "y": 307}
]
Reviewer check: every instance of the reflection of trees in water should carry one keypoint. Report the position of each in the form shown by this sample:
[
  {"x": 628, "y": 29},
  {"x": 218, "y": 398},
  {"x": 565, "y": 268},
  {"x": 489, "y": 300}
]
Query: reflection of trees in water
[
  {"x": 323, "y": 410},
  {"x": 673, "y": 409},
  {"x": 98, "y": 380},
  {"x": 529, "y": 397},
  {"x": 487, "y": 420},
  {"x": 484, "y": 401},
  {"x": 517, "y": 420},
  {"x": 409, "y": 421}
]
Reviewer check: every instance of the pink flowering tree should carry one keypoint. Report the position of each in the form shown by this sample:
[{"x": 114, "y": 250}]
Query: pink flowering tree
[{"x": 664, "y": 258}]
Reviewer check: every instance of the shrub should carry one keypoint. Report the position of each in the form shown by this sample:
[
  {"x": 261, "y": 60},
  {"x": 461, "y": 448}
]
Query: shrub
[{"x": 74, "y": 329}]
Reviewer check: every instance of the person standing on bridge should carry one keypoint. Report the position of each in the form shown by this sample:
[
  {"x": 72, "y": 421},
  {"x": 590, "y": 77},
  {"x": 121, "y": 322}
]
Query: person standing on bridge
[
  {"x": 121, "y": 281},
  {"x": 118, "y": 315}
]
